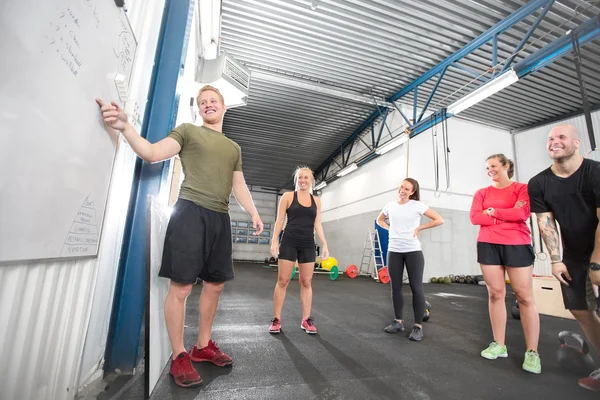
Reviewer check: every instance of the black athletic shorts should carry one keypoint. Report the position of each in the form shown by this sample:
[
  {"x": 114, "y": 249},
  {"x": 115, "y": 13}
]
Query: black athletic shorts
[
  {"x": 197, "y": 245},
  {"x": 505, "y": 254},
  {"x": 579, "y": 295},
  {"x": 301, "y": 254}
]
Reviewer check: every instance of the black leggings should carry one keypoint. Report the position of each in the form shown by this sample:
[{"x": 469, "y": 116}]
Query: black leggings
[{"x": 415, "y": 263}]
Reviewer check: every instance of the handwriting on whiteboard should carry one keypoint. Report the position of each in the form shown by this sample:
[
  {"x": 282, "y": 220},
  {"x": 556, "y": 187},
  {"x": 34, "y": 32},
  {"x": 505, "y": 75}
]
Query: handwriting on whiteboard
[
  {"x": 92, "y": 8},
  {"x": 62, "y": 39},
  {"x": 125, "y": 48},
  {"x": 82, "y": 238}
]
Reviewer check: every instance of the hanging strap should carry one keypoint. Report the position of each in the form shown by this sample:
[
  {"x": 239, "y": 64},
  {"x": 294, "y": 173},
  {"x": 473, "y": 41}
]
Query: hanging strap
[
  {"x": 436, "y": 162},
  {"x": 407, "y": 132},
  {"x": 584, "y": 98},
  {"x": 446, "y": 149}
]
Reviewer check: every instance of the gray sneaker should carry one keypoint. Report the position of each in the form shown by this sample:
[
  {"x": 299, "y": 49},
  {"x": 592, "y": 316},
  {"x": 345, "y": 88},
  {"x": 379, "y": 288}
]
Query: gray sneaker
[
  {"x": 416, "y": 334},
  {"x": 395, "y": 327}
]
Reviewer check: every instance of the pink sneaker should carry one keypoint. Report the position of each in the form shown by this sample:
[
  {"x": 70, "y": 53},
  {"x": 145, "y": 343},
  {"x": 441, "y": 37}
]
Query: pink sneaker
[
  {"x": 309, "y": 326},
  {"x": 210, "y": 353},
  {"x": 592, "y": 382},
  {"x": 275, "y": 325}
]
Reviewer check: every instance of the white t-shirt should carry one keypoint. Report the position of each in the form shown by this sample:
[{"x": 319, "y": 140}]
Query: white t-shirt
[{"x": 404, "y": 219}]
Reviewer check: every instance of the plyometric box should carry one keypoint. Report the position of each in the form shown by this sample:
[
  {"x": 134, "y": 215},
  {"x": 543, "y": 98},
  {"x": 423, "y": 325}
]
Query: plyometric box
[{"x": 548, "y": 297}]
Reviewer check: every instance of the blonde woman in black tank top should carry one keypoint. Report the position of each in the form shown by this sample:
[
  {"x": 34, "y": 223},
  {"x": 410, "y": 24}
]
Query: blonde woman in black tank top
[{"x": 303, "y": 211}]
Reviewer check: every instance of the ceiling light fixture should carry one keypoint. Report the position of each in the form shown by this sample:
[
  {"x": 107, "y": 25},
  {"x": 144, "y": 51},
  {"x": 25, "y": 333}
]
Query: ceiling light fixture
[
  {"x": 347, "y": 170},
  {"x": 392, "y": 144},
  {"x": 485, "y": 91}
]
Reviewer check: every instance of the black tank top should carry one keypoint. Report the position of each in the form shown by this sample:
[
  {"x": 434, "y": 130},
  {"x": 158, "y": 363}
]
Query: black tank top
[{"x": 299, "y": 231}]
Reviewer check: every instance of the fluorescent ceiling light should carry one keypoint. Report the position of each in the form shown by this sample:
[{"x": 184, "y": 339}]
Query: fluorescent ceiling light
[
  {"x": 392, "y": 144},
  {"x": 347, "y": 170},
  {"x": 485, "y": 91},
  {"x": 321, "y": 185}
]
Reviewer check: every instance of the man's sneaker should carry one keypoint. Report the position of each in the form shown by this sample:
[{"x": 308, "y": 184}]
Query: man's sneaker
[
  {"x": 532, "y": 362},
  {"x": 210, "y": 353},
  {"x": 416, "y": 334},
  {"x": 494, "y": 351},
  {"x": 309, "y": 326},
  {"x": 394, "y": 327},
  {"x": 183, "y": 371},
  {"x": 275, "y": 325},
  {"x": 592, "y": 382}
]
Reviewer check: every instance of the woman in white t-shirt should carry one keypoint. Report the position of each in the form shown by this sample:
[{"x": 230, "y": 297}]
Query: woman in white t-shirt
[{"x": 404, "y": 248}]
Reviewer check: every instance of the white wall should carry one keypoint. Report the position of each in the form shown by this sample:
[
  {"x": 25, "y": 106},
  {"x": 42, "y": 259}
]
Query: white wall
[
  {"x": 369, "y": 188},
  {"x": 375, "y": 183},
  {"x": 532, "y": 158},
  {"x": 54, "y": 316},
  {"x": 530, "y": 145}
]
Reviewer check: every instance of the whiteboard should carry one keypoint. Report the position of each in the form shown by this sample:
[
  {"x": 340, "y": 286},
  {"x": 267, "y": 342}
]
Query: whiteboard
[{"x": 56, "y": 155}]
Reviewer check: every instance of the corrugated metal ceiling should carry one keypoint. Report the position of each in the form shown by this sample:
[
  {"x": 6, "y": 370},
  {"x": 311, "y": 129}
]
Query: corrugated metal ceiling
[{"x": 378, "y": 47}]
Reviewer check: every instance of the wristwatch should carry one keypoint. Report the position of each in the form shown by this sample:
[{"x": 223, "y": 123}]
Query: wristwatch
[
  {"x": 489, "y": 211},
  {"x": 594, "y": 266}
]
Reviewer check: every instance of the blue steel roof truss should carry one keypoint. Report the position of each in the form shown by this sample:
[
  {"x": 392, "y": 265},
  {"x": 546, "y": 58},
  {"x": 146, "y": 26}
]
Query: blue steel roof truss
[{"x": 419, "y": 125}]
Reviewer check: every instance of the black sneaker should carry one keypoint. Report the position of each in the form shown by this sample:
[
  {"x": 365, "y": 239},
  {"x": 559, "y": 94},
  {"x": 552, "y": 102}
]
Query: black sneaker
[
  {"x": 395, "y": 327},
  {"x": 416, "y": 334}
]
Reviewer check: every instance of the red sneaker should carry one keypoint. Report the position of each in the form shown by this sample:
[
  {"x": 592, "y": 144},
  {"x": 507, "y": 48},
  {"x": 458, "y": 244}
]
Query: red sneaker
[
  {"x": 275, "y": 325},
  {"x": 592, "y": 382},
  {"x": 309, "y": 326},
  {"x": 183, "y": 371},
  {"x": 211, "y": 353}
]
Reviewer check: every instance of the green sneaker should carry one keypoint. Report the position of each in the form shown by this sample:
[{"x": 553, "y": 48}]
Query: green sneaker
[
  {"x": 494, "y": 351},
  {"x": 532, "y": 362}
]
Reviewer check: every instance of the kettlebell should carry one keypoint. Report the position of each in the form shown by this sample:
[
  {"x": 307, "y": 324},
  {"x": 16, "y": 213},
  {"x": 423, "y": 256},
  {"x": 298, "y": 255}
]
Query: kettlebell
[
  {"x": 514, "y": 311},
  {"x": 427, "y": 311},
  {"x": 574, "y": 359}
]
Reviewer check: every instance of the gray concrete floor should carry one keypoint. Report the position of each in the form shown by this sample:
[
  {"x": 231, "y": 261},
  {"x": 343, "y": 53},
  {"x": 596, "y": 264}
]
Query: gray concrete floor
[{"x": 352, "y": 358}]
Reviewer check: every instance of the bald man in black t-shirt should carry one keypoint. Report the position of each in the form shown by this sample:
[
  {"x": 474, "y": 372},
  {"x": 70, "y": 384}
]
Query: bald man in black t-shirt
[{"x": 568, "y": 192}]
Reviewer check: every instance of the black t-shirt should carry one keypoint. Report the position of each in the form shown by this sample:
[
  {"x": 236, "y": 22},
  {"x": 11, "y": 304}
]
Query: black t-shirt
[{"x": 574, "y": 202}]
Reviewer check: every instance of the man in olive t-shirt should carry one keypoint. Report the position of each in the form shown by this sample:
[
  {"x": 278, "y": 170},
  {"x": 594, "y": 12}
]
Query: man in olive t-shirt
[{"x": 198, "y": 239}]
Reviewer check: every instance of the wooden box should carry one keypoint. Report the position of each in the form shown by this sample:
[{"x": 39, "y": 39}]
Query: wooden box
[{"x": 548, "y": 297}]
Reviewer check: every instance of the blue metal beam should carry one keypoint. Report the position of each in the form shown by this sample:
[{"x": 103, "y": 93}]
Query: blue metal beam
[
  {"x": 367, "y": 158},
  {"x": 383, "y": 118},
  {"x": 432, "y": 94},
  {"x": 402, "y": 114},
  {"x": 585, "y": 33},
  {"x": 349, "y": 152},
  {"x": 526, "y": 37},
  {"x": 481, "y": 40},
  {"x": 427, "y": 123},
  {"x": 124, "y": 334},
  {"x": 494, "y": 54},
  {"x": 415, "y": 98},
  {"x": 470, "y": 71}
]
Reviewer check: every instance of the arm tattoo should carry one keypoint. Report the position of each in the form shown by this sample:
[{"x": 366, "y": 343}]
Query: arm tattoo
[{"x": 549, "y": 233}]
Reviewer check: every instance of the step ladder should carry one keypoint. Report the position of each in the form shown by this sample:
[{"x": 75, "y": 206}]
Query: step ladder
[{"x": 372, "y": 257}]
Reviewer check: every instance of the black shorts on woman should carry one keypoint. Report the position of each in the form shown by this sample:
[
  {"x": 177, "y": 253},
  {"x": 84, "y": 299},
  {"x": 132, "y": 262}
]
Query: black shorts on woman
[{"x": 519, "y": 255}]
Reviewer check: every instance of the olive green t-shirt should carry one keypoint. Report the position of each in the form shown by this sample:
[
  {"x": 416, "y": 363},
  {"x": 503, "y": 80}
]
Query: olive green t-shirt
[{"x": 208, "y": 159}]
